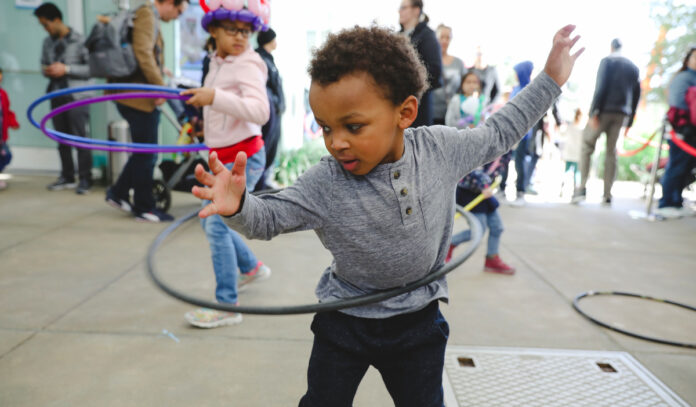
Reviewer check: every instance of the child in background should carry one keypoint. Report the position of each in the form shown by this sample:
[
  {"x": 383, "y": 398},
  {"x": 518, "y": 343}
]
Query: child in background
[
  {"x": 7, "y": 121},
  {"x": 478, "y": 182},
  {"x": 466, "y": 108},
  {"x": 382, "y": 204},
  {"x": 572, "y": 143},
  {"x": 235, "y": 106}
]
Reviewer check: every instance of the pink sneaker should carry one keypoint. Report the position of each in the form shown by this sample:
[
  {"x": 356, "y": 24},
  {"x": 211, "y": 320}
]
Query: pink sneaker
[
  {"x": 496, "y": 265},
  {"x": 261, "y": 272}
]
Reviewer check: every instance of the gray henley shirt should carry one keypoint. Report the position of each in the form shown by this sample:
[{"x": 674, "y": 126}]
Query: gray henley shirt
[{"x": 392, "y": 226}]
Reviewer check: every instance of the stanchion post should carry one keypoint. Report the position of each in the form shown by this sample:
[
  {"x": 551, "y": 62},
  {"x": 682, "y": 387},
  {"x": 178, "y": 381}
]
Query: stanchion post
[{"x": 653, "y": 170}]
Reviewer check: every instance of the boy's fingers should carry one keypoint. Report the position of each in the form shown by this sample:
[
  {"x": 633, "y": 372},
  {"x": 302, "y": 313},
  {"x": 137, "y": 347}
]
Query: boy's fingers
[
  {"x": 203, "y": 176},
  {"x": 186, "y": 92},
  {"x": 577, "y": 54},
  {"x": 202, "y": 193},
  {"x": 239, "y": 168},
  {"x": 208, "y": 210},
  {"x": 215, "y": 164}
]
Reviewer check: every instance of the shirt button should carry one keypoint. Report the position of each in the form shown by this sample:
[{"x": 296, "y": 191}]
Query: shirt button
[
  {"x": 404, "y": 192},
  {"x": 409, "y": 211},
  {"x": 397, "y": 174}
]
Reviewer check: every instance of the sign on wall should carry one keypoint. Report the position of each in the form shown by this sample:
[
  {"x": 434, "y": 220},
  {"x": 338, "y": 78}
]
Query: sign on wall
[{"x": 28, "y": 3}]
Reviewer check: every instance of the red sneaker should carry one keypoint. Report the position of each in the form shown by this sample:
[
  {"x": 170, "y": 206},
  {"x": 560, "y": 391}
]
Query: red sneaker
[
  {"x": 449, "y": 253},
  {"x": 496, "y": 265}
]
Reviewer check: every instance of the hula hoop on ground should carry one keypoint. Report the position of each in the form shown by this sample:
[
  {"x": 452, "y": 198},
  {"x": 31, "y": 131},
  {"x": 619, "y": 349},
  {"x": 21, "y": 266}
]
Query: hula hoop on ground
[
  {"x": 148, "y": 91},
  {"x": 576, "y": 305},
  {"x": 476, "y": 237}
]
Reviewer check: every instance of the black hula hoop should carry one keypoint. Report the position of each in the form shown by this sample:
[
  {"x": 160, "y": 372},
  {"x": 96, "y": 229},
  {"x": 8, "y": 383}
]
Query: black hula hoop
[
  {"x": 476, "y": 237},
  {"x": 642, "y": 297}
]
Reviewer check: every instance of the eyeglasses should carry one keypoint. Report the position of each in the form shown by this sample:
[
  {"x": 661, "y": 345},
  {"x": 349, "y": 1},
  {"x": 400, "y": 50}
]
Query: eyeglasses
[{"x": 233, "y": 31}]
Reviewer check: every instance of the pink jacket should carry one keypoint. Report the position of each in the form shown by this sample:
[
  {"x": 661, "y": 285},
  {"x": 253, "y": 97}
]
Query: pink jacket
[{"x": 240, "y": 106}]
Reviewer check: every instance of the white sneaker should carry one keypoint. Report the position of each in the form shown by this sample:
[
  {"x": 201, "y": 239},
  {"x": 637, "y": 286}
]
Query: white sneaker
[
  {"x": 210, "y": 318},
  {"x": 686, "y": 211},
  {"x": 669, "y": 212},
  {"x": 518, "y": 202}
]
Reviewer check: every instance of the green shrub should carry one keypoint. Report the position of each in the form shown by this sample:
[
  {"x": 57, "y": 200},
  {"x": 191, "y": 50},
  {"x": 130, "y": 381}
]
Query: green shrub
[{"x": 292, "y": 163}]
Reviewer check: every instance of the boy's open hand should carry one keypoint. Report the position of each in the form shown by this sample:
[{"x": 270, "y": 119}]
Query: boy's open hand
[
  {"x": 223, "y": 187},
  {"x": 560, "y": 63},
  {"x": 201, "y": 96}
]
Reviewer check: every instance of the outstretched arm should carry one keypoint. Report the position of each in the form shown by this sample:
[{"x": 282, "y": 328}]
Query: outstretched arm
[{"x": 223, "y": 187}]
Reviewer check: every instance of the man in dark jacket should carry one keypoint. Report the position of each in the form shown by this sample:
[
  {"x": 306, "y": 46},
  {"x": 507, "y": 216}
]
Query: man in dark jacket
[
  {"x": 274, "y": 87},
  {"x": 414, "y": 24},
  {"x": 613, "y": 106},
  {"x": 64, "y": 63}
]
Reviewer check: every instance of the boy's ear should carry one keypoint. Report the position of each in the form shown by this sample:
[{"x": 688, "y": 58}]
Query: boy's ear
[{"x": 408, "y": 111}]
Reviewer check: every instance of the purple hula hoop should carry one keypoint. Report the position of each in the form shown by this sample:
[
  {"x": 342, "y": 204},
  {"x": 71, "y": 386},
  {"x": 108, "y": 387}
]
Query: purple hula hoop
[{"x": 118, "y": 96}]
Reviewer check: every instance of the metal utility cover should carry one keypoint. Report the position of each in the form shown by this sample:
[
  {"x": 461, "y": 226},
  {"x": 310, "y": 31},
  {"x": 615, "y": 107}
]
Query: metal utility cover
[{"x": 545, "y": 377}]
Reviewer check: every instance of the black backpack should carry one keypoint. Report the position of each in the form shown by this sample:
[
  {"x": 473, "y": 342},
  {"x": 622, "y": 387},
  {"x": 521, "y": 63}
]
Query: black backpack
[{"x": 110, "y": 45}]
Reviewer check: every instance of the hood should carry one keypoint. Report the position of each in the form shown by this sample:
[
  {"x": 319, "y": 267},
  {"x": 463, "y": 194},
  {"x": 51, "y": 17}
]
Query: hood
[{"x": 524, "y": 72}]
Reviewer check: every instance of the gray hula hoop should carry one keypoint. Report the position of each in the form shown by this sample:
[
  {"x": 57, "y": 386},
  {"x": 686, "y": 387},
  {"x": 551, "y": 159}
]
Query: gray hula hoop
[{"x": 476, "y": 237}]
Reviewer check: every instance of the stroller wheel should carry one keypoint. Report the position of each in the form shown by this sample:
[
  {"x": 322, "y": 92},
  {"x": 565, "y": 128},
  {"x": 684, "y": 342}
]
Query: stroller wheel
[{"x": 162, "y": 194}]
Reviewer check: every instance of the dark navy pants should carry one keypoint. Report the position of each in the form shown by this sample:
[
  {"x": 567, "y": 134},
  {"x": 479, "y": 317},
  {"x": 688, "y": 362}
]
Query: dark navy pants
[{"x": 408, "y": 351}]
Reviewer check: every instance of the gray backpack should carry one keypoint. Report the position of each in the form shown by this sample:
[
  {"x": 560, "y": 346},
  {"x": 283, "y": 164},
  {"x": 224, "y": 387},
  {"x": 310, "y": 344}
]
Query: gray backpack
[{"x": 110, "y": 45}]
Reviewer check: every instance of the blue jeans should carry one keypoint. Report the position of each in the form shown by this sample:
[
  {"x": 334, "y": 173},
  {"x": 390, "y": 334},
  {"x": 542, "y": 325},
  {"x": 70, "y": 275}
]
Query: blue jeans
[
  {"x": 408, "y": 351},
  {"x": 521, "y": 164},
  {"x": 227, "y": 248},
  {"x": 677, "y": 176},
  {"x": 493, "y": 222},
  {"x": 137, "y": 173}
]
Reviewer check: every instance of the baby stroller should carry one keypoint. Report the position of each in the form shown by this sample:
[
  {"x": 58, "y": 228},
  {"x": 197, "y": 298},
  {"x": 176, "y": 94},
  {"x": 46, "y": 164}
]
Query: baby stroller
[{"x": 177, "y": 172}]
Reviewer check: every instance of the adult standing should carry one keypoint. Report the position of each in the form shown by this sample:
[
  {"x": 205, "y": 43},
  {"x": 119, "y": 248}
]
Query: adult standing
[
  {"x": 64, "y": 62},
  {"x": 452, "y": 72},
  {"x": 682, "y": 116},
  {"x": 489, "y": 77},
  {"x": 143, "y": 115},
  {"x": 414, "y": 24},
  {"x": 274, "y": 87},
  {"x": 613, "y": 106}
]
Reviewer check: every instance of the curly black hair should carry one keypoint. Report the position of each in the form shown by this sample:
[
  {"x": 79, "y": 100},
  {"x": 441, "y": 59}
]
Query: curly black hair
[{"x": 389, "y": 58}]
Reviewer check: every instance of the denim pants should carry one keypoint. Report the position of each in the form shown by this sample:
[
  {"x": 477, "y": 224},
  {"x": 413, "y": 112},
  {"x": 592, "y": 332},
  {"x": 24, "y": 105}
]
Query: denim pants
[
  {"x": 74, "y": 122},
  {"x": 138, "y": 171},
  {"x": 521, "y": 164},
  {"x": 493, "y": 222},
  {"x": 408, "y": 351},
  {"x": 227, "y": 248},
  {"x": 677, "y": 176}
]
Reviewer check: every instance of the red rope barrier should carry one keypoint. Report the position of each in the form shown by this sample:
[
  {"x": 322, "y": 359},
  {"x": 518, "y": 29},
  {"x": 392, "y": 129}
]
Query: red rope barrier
[
  {"x": 638, "y": 150},
  {"x": 682, "y": 144}
]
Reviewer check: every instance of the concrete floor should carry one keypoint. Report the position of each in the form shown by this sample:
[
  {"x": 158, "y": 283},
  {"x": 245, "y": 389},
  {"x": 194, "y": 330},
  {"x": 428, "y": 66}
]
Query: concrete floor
[{"x": 81, "y": 324}]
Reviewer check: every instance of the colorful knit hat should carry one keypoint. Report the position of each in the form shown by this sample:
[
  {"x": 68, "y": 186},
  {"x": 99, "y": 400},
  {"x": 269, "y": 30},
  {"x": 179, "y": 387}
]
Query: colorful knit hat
[{"x": 255, "y": 12}]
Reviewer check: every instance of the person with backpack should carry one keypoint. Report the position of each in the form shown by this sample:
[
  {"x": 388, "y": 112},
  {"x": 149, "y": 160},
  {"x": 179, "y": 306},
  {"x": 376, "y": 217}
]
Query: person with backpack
[
  {"x": 682, "y": 117},
  {"x": 143, "y": 115},
  {"x": 64, "y": 63}
]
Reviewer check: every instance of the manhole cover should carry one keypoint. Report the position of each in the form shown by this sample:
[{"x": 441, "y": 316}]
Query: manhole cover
[{"x": 541, "y": 377}]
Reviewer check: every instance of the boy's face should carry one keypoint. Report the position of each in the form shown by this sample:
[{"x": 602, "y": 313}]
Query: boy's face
[{"x": 362, "y": 129}]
